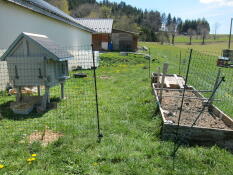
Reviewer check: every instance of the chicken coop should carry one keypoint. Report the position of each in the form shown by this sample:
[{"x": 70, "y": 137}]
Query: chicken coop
[
  {"x": 34, "y": 60},
  {"x": 226, "y": 60}
]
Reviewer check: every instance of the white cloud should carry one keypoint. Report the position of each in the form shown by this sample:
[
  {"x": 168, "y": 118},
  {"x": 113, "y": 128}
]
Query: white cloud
[{"x": 218, "y": 2}]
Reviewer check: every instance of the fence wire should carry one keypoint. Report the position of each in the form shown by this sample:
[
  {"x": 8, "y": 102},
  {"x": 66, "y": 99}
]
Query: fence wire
[
  {"x": 203, "y": 72},
  {"x": 31, "y": 113}
]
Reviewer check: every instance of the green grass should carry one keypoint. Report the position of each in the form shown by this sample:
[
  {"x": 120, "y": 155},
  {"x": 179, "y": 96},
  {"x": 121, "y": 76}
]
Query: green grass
[
  {"x": 203, "y": 69},
  {"x": 209, "y": 39},
  {"x": 131, "y": 128}
]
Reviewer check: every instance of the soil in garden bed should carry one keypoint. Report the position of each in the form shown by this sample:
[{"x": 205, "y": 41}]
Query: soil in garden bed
[{"x": 191, "y": 110}]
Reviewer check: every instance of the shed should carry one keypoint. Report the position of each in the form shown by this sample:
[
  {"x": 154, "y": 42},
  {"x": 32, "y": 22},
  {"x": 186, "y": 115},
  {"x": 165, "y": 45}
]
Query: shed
[
  {"x": 35, "y": 60},
  {"x": 124, "y": 40},
  {"x": 101, "y": 38}
]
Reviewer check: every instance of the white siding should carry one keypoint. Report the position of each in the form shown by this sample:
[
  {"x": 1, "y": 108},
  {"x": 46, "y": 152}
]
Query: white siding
[{"x": 15, "y": 20}]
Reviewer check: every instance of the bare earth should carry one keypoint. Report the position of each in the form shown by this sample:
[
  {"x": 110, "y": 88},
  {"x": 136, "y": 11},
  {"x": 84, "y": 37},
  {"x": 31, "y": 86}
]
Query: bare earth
[{"x": 191, "y": 110}]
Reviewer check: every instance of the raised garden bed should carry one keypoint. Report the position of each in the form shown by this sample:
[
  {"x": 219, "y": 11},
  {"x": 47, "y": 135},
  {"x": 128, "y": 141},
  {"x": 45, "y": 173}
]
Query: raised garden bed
[{"x": 213, "y": 127}]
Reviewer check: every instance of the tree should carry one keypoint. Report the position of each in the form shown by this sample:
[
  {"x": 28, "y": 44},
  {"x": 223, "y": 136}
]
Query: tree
[
  {"x": 61, "y": 4},
  {"x": 191, "y": 33},
  {"x": 169, "y": 20},
  {"x": 204, "y": 31},
  {"x": 84, "y": 10},
  {"x": 172, "y": 29},
  {"x": 126, "y": 23}
]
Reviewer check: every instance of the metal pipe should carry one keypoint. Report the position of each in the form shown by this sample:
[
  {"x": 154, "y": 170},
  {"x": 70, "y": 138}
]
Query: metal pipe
[
  {"x": 181, "y": 108},
  {"x": 100, "y": 135},
  {"x": 210, "y": 99},
  {"x": 229, "y": 44}
]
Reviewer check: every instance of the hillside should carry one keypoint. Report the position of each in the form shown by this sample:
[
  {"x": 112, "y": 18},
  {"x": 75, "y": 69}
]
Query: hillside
[{"x": 127, "y": 17}]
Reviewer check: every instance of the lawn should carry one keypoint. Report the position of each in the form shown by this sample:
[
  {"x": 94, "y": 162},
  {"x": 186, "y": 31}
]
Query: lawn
[
  {"x": 197, "y": 39},
  {"x": 129, "y": 122},
  {"x": 203, "y": 70}
]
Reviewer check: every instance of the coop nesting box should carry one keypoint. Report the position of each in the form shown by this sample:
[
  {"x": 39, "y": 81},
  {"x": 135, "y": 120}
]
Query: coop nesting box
[
  {"x": 228, "y": 54},
  {"x": 34, "y": 60}
]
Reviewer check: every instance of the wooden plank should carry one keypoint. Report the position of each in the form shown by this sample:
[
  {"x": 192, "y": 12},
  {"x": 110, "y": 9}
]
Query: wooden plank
[
  {"x": 178, "y": 81},
  {"x": 165, "y": 69}
]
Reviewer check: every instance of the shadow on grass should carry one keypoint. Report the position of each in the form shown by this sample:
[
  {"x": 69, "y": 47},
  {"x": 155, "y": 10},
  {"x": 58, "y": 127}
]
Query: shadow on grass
[{"x": 7, "y": 113}]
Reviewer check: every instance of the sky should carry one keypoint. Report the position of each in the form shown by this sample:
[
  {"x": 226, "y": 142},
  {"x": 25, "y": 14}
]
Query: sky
[{"x": 215, "y": 11}]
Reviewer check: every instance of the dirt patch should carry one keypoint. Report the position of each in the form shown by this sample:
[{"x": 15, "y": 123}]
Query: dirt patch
[
  {"x": 105, "y": 77},
  {"x": 45, "y": 137},
  {"x": 191, "y": 109}
]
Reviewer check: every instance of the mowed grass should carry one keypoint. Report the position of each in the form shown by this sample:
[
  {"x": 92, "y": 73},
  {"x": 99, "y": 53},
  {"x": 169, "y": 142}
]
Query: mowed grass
[
  {"x": 131, "y": 128},
  {"x": 198, "y": 39},
  {"x": 203, "y": 69}
]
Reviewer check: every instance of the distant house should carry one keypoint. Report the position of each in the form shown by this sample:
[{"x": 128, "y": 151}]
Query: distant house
[
  {"x": 103, "y": 30},
  {"x": 107, "y": 38},
  {"x": 38, "y": 16}
]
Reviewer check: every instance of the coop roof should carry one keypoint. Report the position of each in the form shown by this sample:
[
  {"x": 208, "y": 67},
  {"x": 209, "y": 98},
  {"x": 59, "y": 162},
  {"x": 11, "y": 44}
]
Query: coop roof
[
  {"x": 42, "y": 41},
  {"x": 49, "y": 10},
  {"x": 97, "y": 24}
]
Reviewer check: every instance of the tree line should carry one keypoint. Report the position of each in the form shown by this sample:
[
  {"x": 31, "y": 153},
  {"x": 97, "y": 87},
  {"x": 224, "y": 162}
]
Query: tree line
[{"x": 152, "y": 25}]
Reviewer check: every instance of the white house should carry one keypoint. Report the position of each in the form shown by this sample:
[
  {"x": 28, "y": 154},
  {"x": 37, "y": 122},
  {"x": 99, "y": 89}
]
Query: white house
[{"x": 38, "y": 16}]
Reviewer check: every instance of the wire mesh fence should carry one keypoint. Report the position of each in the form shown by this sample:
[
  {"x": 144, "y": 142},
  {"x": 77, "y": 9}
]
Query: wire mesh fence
[
  {"x": 203, "y": 73},
  {"x": 43, "y": 98},
  {"x": 48, "y": 99}
]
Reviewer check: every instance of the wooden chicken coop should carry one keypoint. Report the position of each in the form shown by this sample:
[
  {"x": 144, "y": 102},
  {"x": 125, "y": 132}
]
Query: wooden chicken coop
[
  {"x": 226, "y": 60},
  {"x": 34, "y": 60}
]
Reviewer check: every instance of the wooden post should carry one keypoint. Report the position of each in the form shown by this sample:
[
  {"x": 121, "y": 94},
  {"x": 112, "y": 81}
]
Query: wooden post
[
  {"x": 62, "y": 91},
  {"x": 18, "y": 94},
  {"x": 39, "y": 91},
  {"x": 47, "y": 94},
  {"x": 158, "y": 83},
  {"x": 165, "y": 69}
]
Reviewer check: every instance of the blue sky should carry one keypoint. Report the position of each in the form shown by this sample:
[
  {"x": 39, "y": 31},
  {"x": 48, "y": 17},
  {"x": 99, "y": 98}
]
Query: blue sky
[{"x": 215, "y": 11}]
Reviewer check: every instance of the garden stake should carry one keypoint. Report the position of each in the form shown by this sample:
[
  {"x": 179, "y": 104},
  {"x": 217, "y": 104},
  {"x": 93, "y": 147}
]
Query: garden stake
[
  {"x": 100, "y": 135},
  {"x": 165, "y": 68},
  {"x": 181, "y": 107},
  {"x": 209, "y": 101},
  {"x": 180, "y": 64},
  {"x": 203, "y": 109},
  {"x": 149, "y": 62}
]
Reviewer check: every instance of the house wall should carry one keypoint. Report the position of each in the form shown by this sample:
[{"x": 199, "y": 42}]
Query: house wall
[{"x": 15, "y": 20}]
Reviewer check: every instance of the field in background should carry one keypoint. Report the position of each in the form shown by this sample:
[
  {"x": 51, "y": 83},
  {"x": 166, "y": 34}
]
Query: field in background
[
  {"x": 203, "y": 69},
  {"x": 210, "y": 39}
]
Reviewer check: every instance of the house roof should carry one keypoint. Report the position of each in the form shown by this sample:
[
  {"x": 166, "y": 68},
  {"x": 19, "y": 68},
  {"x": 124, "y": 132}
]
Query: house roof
[
  {"x": 54, "y": 50},
  {"x": 49, "y": 10},
  {"x": 97, "y": 24}
]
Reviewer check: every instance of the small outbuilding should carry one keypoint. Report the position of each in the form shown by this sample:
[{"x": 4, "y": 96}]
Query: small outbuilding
[
  {"x": 101, "y": 38},
  {"x": 124, "y": 40},
  {"x": 34, "y": 60},
  {"x": 107, "y": 38}
]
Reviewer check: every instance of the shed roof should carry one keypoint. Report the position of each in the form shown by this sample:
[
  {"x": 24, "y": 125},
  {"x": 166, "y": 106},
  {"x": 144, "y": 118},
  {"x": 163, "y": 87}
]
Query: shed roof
[
  {"x": 43, "y": 42},
  {"x": 99, "y": 25},
  {"x": 49, "y": 10}
]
